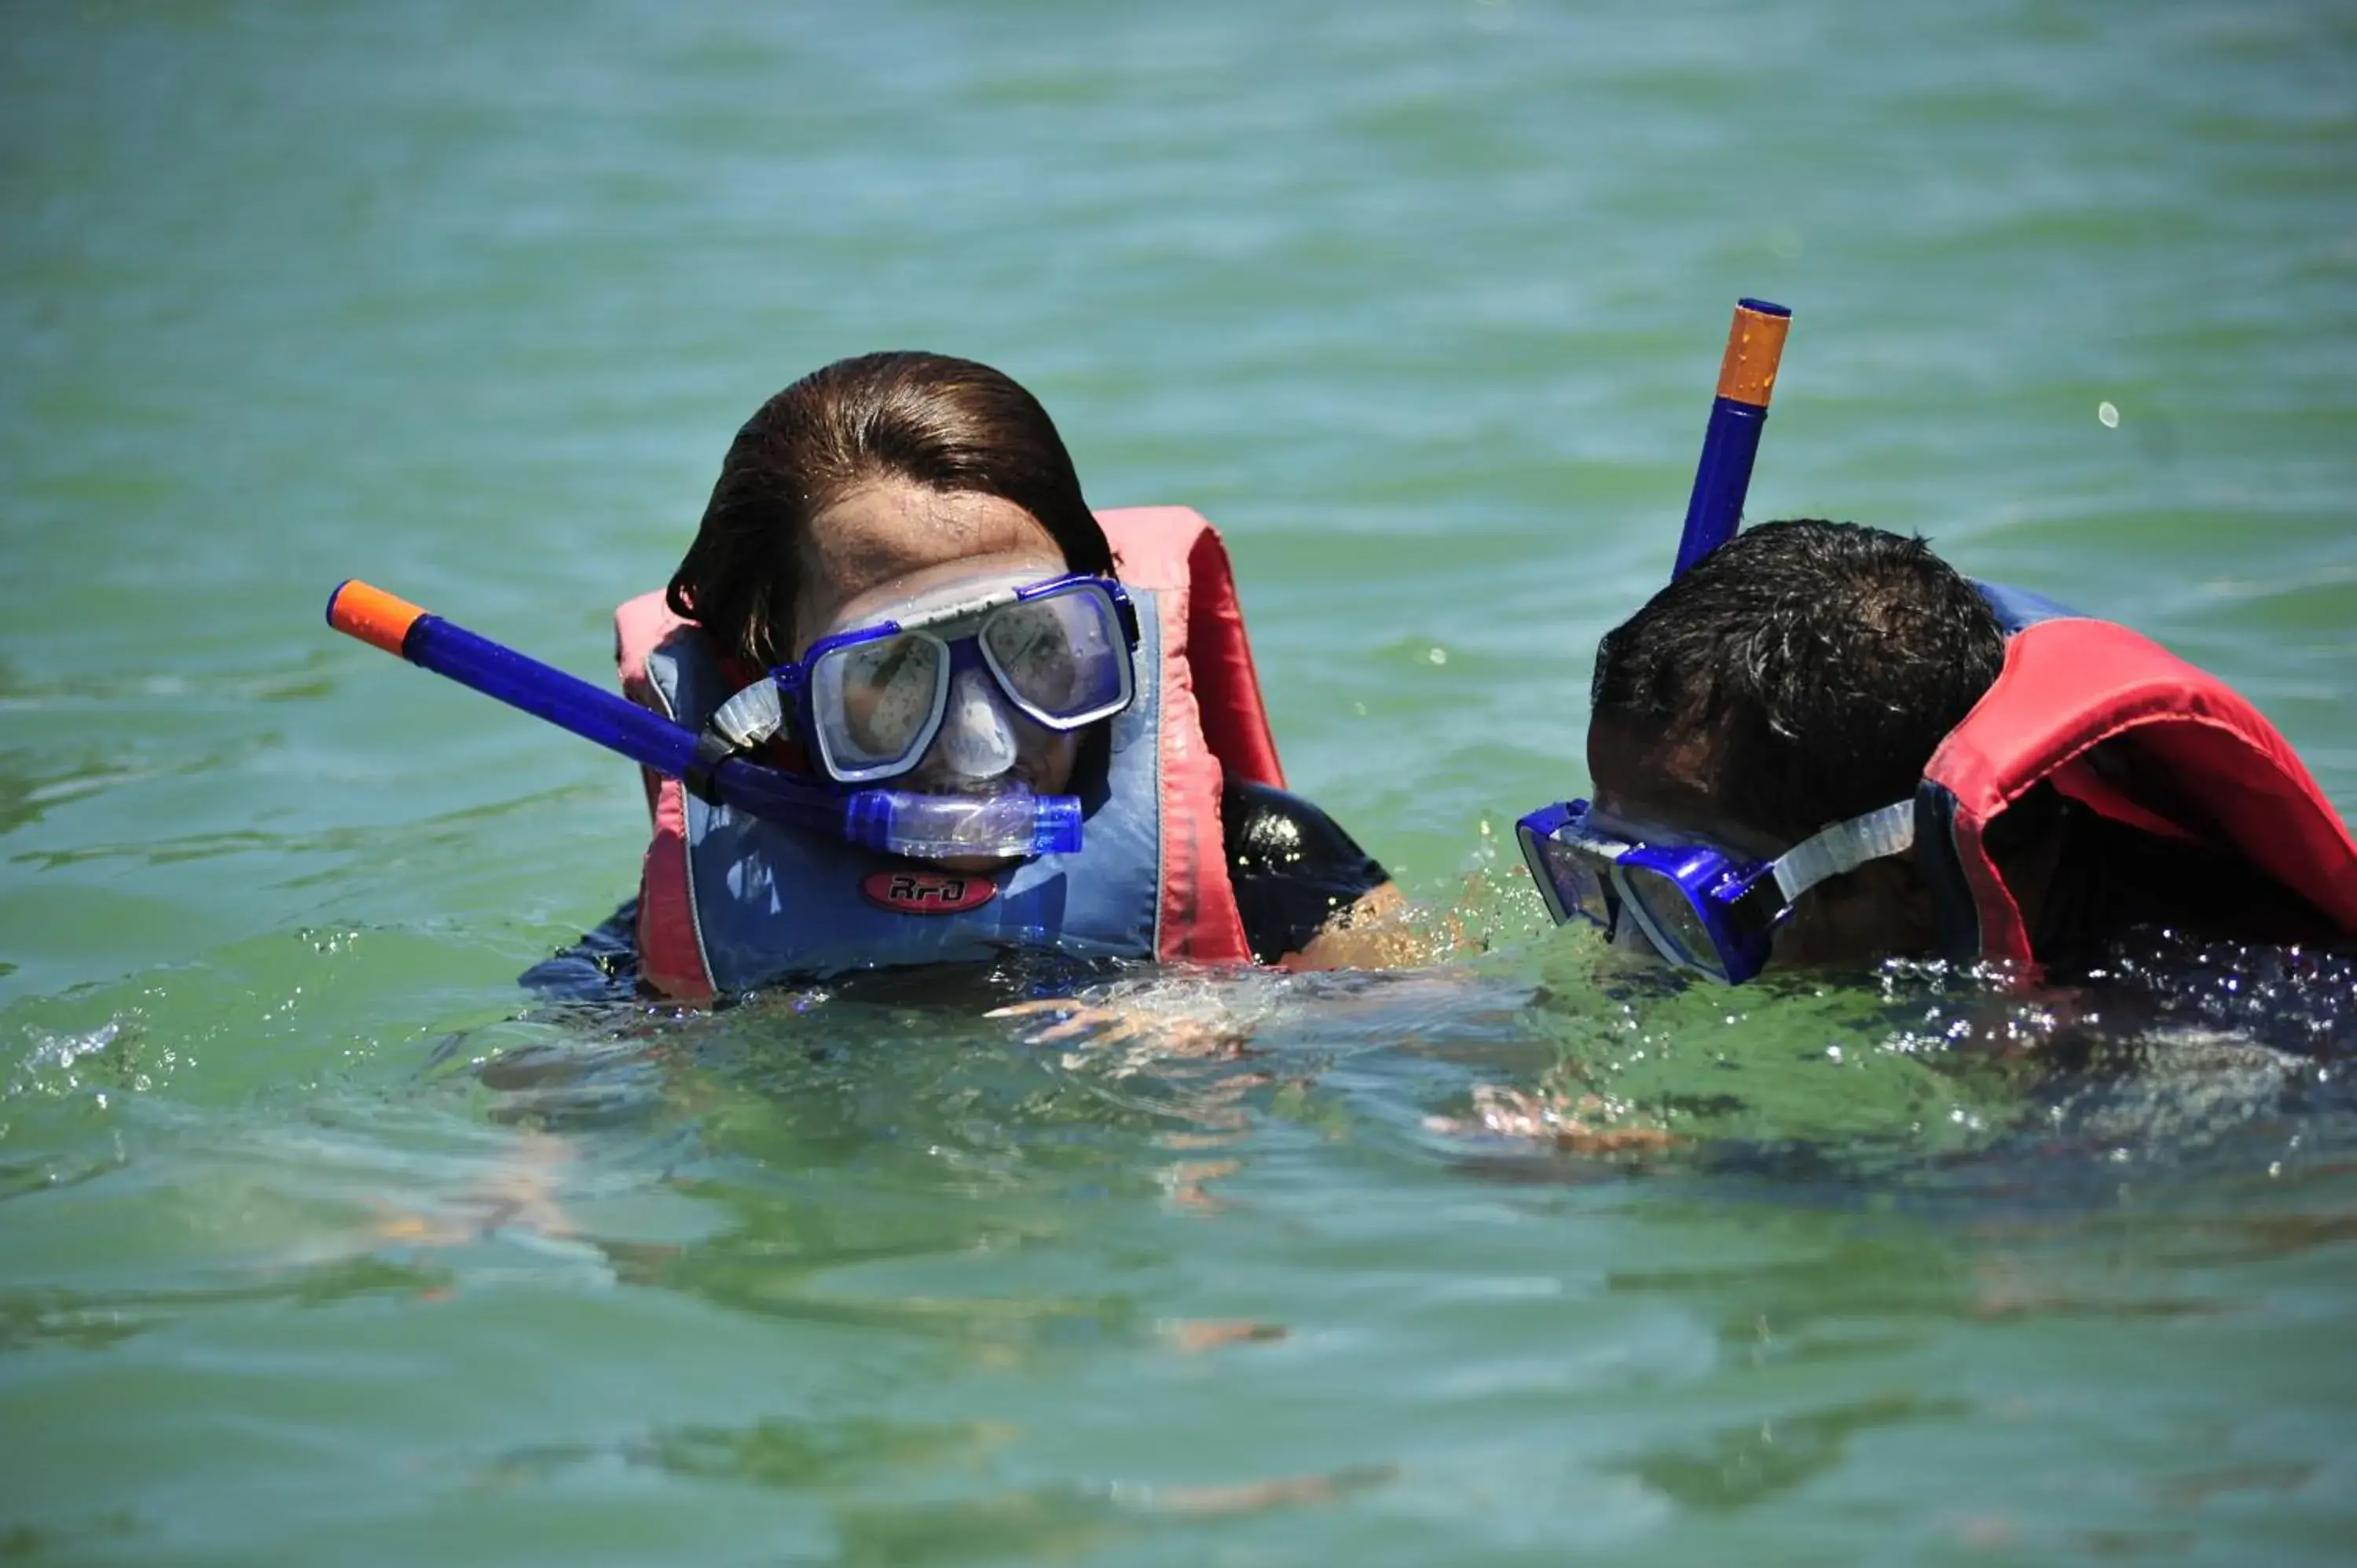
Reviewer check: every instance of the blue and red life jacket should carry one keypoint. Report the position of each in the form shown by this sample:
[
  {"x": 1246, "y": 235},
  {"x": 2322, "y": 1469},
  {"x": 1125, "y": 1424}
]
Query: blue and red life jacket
[
  {"x": 2126, "y": 729},
  {"x": 727, "y": 901}
]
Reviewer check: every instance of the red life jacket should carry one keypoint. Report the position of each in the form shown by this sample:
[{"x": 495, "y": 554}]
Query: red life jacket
[
  {"x": 2116, "y": 723},
  {"x": 1211, "y": 726}
]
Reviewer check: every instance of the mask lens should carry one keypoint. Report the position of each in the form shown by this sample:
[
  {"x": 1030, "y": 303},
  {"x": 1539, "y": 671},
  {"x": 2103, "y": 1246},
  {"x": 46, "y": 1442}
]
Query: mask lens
[
  {"x": 1572, "y": 881},
  {"x": 1062, "y": 659},
  {"x": 876, "y": 703},
  {"x": 1669, "y": 917}
]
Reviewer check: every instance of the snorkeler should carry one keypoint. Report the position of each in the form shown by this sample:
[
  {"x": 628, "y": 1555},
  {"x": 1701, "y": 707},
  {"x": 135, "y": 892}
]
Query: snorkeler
[
  {"x": 1822, "y": 744},
  {"x": 898, "y": 594},
  {"x": 908, "y": 702}
]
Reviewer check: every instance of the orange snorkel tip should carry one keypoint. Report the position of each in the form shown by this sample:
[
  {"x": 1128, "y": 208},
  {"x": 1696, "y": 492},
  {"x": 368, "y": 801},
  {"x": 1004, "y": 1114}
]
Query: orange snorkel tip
[
  {"x": 1747, "y": 379},
  {"x": 375, "y": 616},
  {"x": 1755, "y": 344}
]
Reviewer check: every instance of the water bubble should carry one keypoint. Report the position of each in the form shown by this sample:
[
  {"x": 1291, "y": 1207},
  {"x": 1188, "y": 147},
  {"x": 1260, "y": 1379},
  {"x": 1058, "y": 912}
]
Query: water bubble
[
  {"x": 2109, "y": 414},
  {"x": 1437, "y": 655}
]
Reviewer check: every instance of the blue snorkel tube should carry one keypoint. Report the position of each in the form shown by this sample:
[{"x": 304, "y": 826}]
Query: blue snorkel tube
[
  {"x": 1747, "y": 379},
  {"x": 892, "y": 821}
]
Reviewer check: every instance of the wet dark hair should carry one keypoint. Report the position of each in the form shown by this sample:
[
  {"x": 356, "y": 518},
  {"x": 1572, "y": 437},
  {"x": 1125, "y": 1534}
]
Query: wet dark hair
[
  {"x": 951, "y": 424},
  {"x": 1822, "y": 662}
]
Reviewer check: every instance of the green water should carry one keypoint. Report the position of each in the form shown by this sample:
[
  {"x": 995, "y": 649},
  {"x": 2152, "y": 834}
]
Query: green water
[{"x": 314, "y": 1248}]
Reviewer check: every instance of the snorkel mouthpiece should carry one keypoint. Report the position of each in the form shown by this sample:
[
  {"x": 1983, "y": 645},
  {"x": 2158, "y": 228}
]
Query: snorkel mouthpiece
[{"x": 1016, "y": 825}]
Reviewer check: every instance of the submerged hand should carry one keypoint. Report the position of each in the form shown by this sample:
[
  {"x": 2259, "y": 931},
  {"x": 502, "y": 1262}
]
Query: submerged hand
[
  {"x": 1114, "y": 1023},
  {"x": 1503, "y": 1113}
]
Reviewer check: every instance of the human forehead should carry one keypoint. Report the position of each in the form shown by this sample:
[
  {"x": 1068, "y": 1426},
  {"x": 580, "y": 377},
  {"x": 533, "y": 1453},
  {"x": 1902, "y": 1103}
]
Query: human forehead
[{"x": 895, "y": 540}]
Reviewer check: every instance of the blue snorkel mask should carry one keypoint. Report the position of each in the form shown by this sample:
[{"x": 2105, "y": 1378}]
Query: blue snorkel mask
[
  {"x": 943, "y": 685},
  {"x": 1701, "y": 907}
]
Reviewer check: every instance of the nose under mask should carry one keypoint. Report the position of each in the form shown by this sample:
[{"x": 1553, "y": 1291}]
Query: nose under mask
[{"x": 977, "y": 740}]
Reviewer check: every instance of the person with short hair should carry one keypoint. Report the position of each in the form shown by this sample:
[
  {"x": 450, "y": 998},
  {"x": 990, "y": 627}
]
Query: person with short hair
[{"x": 1823, "y": 745}]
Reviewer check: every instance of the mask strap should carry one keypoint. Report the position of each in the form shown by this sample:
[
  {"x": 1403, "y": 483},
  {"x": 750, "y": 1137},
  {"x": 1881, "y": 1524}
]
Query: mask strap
[{"x": 1844, "y": 846}]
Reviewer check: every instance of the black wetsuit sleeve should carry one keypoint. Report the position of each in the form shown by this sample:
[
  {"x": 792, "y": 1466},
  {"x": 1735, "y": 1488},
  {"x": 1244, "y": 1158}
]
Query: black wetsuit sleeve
[
  {"x": 1293, "y": 868},
  {"x": 603, "y": 966}
]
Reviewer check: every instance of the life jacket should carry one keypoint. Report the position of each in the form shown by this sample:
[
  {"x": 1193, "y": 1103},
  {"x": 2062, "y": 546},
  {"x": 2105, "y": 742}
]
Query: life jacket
[
  {"x": 2116, "y": 723},
  {"x": 727, "y": 901}
]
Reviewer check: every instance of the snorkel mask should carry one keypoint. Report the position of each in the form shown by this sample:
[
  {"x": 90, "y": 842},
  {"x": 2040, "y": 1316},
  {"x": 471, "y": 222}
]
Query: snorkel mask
[
  {"x": 942, "y": 685},
  {"x": 1700, "y": 907}
]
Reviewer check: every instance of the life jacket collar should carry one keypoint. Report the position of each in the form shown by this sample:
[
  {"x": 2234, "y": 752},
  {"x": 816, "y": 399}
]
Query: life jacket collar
[{"x": 2125, "y": 728}]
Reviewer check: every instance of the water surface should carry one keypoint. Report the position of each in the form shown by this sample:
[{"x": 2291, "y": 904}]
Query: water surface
[{"x": 319, "y": 1241}]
